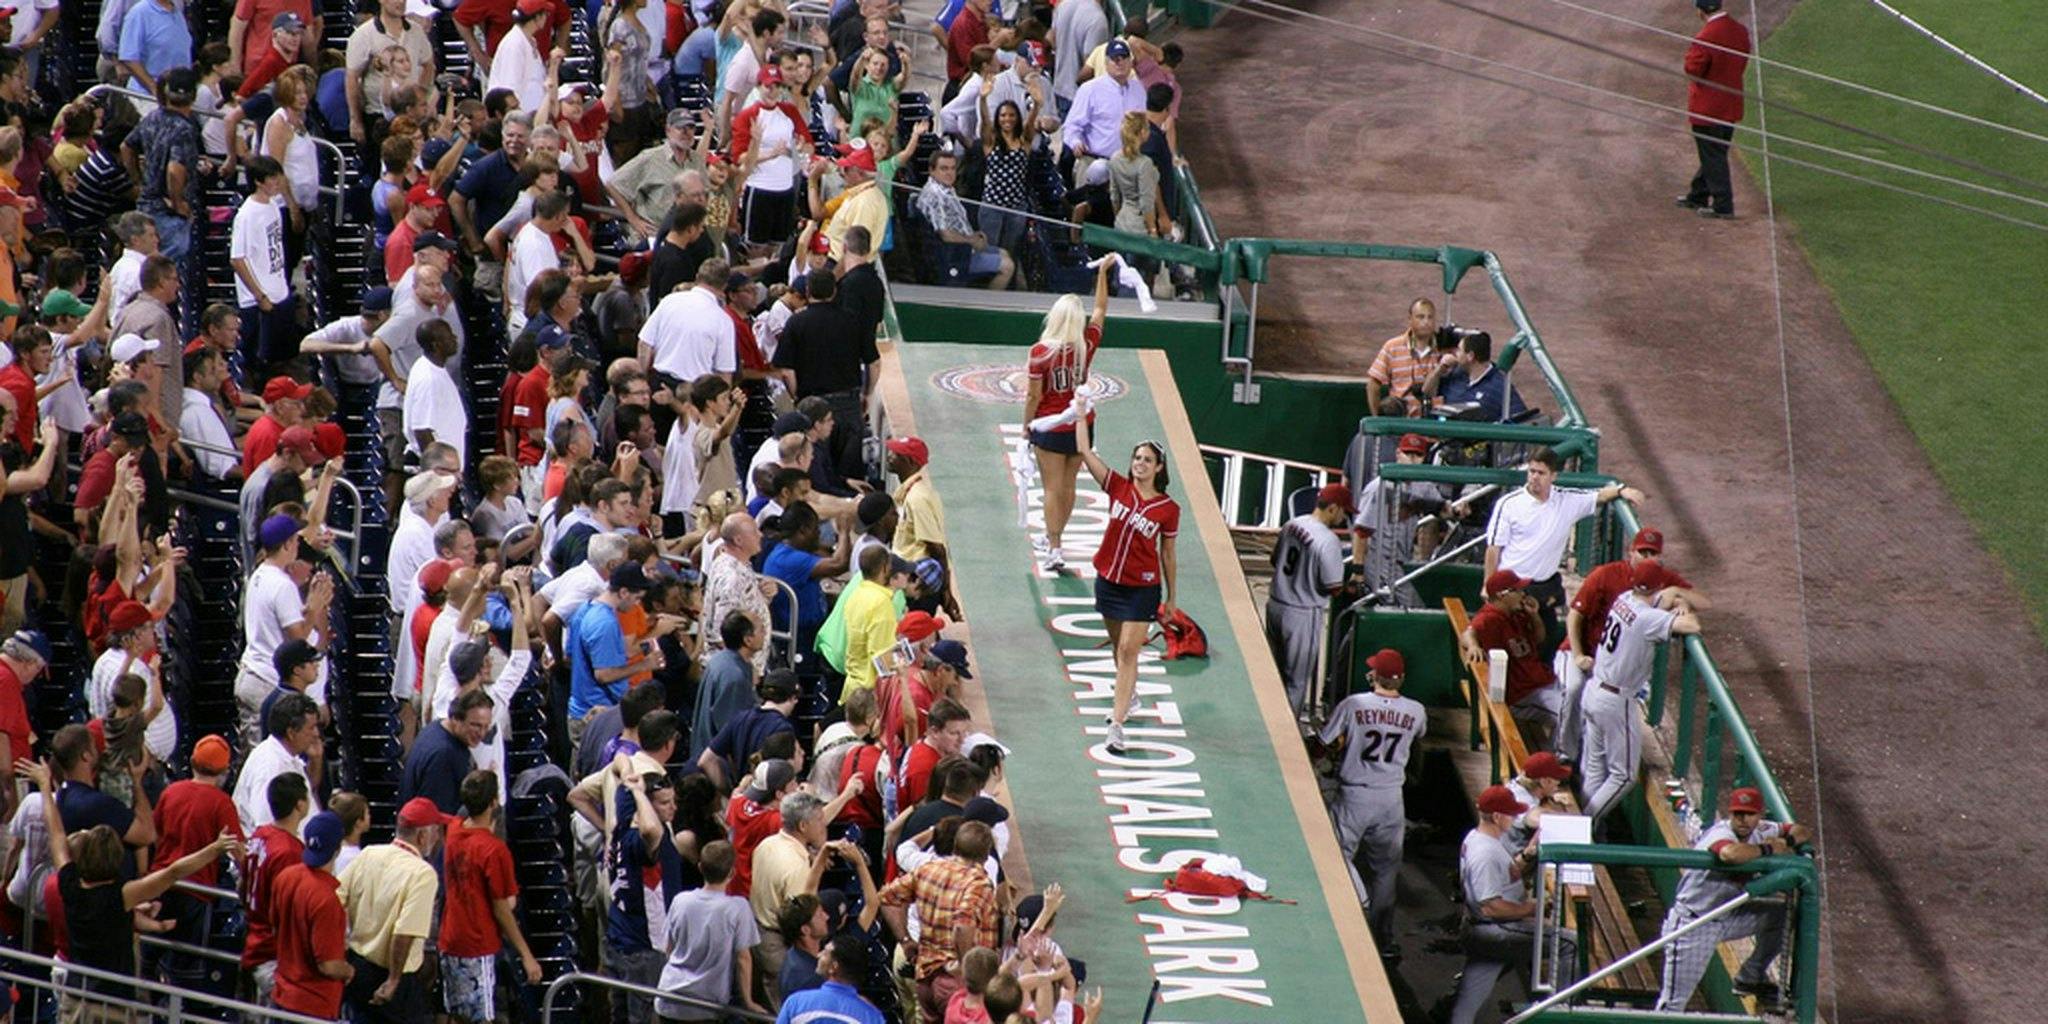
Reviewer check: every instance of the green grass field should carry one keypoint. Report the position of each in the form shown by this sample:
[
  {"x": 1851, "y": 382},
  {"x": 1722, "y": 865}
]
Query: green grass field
[{"x": 1950, "y": 306}]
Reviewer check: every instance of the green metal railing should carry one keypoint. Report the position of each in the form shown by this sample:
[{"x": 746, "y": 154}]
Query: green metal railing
[{"x": 1793, "y": 874}]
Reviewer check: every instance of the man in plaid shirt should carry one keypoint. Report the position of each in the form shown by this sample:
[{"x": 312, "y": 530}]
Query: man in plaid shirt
[{"x": 956, "y": 911}]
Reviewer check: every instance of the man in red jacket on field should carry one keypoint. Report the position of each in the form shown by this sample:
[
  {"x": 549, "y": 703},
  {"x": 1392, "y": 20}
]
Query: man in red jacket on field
[{"x": 1715, "y": 63}]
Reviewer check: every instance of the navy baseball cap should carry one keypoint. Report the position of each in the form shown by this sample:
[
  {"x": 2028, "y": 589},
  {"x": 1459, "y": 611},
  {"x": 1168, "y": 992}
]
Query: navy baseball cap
[
  {"x": 930, "y": 572},
  {"x": 277, "y": 529},
  {"x": 953, "y": 653},
  {"x": 1117, "y": 50},
  {"x": 791, "y": 423},
  {"x": 323, "y": 833},
  {"x": 435, "y": 240},
  {"x": 376, "y": 300},
  {"x": 629, "y": 576}
]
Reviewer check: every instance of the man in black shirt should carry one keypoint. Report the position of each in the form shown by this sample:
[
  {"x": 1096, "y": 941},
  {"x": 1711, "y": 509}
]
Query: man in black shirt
[
  {"x": 828, "y": 350},
  {"x": 684, "y": 247},
  {"x": 860, "y": 287}
]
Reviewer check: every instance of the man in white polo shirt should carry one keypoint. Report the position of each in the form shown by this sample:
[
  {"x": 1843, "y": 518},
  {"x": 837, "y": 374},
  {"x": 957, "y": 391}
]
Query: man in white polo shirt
[
  {"x": 689, "y": 333},
  {"x": 1530, "y": 528}
]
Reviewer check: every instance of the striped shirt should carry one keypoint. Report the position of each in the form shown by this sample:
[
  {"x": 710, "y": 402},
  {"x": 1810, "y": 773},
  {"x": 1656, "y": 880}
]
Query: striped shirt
[
  {"x": 1402, "y": 368},
  {"x": 101, "y": 186}
]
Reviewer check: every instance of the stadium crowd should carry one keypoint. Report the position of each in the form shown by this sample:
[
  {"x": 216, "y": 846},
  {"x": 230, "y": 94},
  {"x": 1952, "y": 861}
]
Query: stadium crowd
[{"x": 570, "y": 315}]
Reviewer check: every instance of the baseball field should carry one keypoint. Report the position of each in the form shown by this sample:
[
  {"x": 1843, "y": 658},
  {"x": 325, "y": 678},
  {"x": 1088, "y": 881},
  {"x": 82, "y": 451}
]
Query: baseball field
[{"x": 1945, "y": 302}]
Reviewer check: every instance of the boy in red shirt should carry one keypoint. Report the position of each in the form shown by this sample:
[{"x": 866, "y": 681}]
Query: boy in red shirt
[
  {"x": 190, "y": 815},
  {"x": 312, "y": 929},
  {"x": 476, "y": 920},
  {"x": 272, "y": 849}
]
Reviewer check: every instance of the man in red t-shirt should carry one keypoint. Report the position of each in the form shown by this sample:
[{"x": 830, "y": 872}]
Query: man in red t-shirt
[
  {"x": 937, "y": 675},
  {"x": 286, "y": 34},
  {"x": 755, "y": 815},
  {"x": 476, "y": 920},
  {"x": 946, "y": 728},
  {"x": 190, "y": 815},
  {"x": 283, "y": 407},
  {"x": 129, "y": 433},
  {"x": 272, "y": 849},
  {"x": 32, "y": 355},
  {"x": 1587, "y": 619},
  {"x": 20, "y": 664},
  {"x": 530, "y": 412},
  {"x": 422, "y": 206},
  {"x": 250, "y": 26},
  {"x": 312, "y": 928},
  {"x": 1509, "y": 622}
]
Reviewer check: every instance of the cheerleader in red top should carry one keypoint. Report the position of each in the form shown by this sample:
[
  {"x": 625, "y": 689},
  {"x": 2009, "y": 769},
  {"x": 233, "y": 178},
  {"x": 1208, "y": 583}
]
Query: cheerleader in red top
[
  {"x": 1135, "y": 559},
  {"x": 1058, "y": 367}
]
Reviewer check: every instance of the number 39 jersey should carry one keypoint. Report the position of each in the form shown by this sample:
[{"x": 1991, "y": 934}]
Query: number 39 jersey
[{"x": 1380, "y": 733}]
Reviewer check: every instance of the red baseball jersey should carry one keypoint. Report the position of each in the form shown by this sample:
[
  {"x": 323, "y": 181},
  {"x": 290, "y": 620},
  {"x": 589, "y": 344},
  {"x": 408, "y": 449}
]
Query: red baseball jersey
[
  {"x": 1520, "y": 636},
  {"x": 1061, "y": 371},
  {"x": 1129, "y": 555}
]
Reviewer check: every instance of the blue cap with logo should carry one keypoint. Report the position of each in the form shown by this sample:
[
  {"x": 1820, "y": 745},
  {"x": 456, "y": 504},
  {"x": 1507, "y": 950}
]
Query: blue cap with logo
[{"x": 323, "y": 833}]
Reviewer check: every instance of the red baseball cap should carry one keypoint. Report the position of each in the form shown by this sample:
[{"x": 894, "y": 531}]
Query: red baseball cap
[
  {"x": 423, "y": 194},
  {"x": 918, "y": 627},
  {"x": 534, "y": 6},
  {"x": 633, "y": 266},
  {"x": 331, "y": 440},
  {"x": 1495, "y": 800},
  {"x": 1504, "y": 580},
  {"x": 1414, "y": 444},
  {"x": 1746, "y": 800},
  {"x": 770, "y": 75},
  {"x": 1339, "y": 495},
  {"x": 820, "y": 244},
  {"x": 302, "y": 442},
  {"x": 1648, "y": 575},
  {"x": 126, "y": 616},
  {"x": 420, "y": 812},
  {"x": 434, "y": 575},
  {"x": 1545, "y": 765},
  {"x": 279, "y": 388},
  {"x": 1649, "y": 540},
  {"x": 859, "y": 156},
  {"x": 911, "y": 448},
  {"x": 1387, "y": 662}
]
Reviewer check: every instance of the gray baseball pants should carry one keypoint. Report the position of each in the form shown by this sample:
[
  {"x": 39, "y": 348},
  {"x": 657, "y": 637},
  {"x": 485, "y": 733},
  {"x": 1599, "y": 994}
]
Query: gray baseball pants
[
  {"x": 1291, "y": 633},
  {"x": 1686, "y": 959},
  {"x": 1372, "y": 817},
  {"x": 1613, "y": 748},
  {"x": 1490, "y": 949}
]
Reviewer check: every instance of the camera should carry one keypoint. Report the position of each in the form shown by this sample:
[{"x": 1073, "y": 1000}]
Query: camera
[{"x": 1449, "y": 335}]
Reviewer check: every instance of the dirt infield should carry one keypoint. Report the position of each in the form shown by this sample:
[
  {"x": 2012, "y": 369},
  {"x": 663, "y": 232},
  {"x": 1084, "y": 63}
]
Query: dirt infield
[{"x": 1924, "y": 670}]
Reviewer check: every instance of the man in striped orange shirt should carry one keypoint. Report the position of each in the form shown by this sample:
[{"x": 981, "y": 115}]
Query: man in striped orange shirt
[{"x": 1403, "y": 364}]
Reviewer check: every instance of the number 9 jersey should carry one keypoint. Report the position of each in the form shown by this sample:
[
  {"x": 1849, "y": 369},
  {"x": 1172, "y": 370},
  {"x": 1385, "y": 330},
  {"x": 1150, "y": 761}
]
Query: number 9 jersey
[{"x": 1379, "y": 733}]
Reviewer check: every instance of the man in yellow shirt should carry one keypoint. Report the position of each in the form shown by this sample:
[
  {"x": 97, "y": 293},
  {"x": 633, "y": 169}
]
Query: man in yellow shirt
[
  {"x": 865, "y": 201},
  {"x": 389, "y": 893},
  {"x": 921, "y": 524},
  {"x": 870, "y": 617}
]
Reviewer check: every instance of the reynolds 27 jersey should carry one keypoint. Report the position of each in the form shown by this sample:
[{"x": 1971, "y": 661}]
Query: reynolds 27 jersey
[{"x": 1380, "y": 732}]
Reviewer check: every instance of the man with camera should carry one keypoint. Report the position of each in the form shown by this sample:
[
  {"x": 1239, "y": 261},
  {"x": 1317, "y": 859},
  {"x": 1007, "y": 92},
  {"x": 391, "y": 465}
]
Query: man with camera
[{"x": 1464, "y": 379}]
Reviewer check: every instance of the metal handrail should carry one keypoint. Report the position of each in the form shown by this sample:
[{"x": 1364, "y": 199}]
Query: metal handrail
[
  {"x": 175, "y": 997},
  {"x": 547, "y": 1002}
]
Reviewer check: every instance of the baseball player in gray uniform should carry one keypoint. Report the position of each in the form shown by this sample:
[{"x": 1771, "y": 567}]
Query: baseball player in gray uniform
[
  {"x": 1308, "y": 569},
  {"x": 1500, "y": 932},
  {"x": 1383, "y": 536},
  {"x": 1372, "y": 734},
  {"x": 1741, "y": 837},
  {"x": 1612, "y": 745}
]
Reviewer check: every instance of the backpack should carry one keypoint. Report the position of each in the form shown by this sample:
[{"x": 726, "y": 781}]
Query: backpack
[{"x": 1184, "y": 639}]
